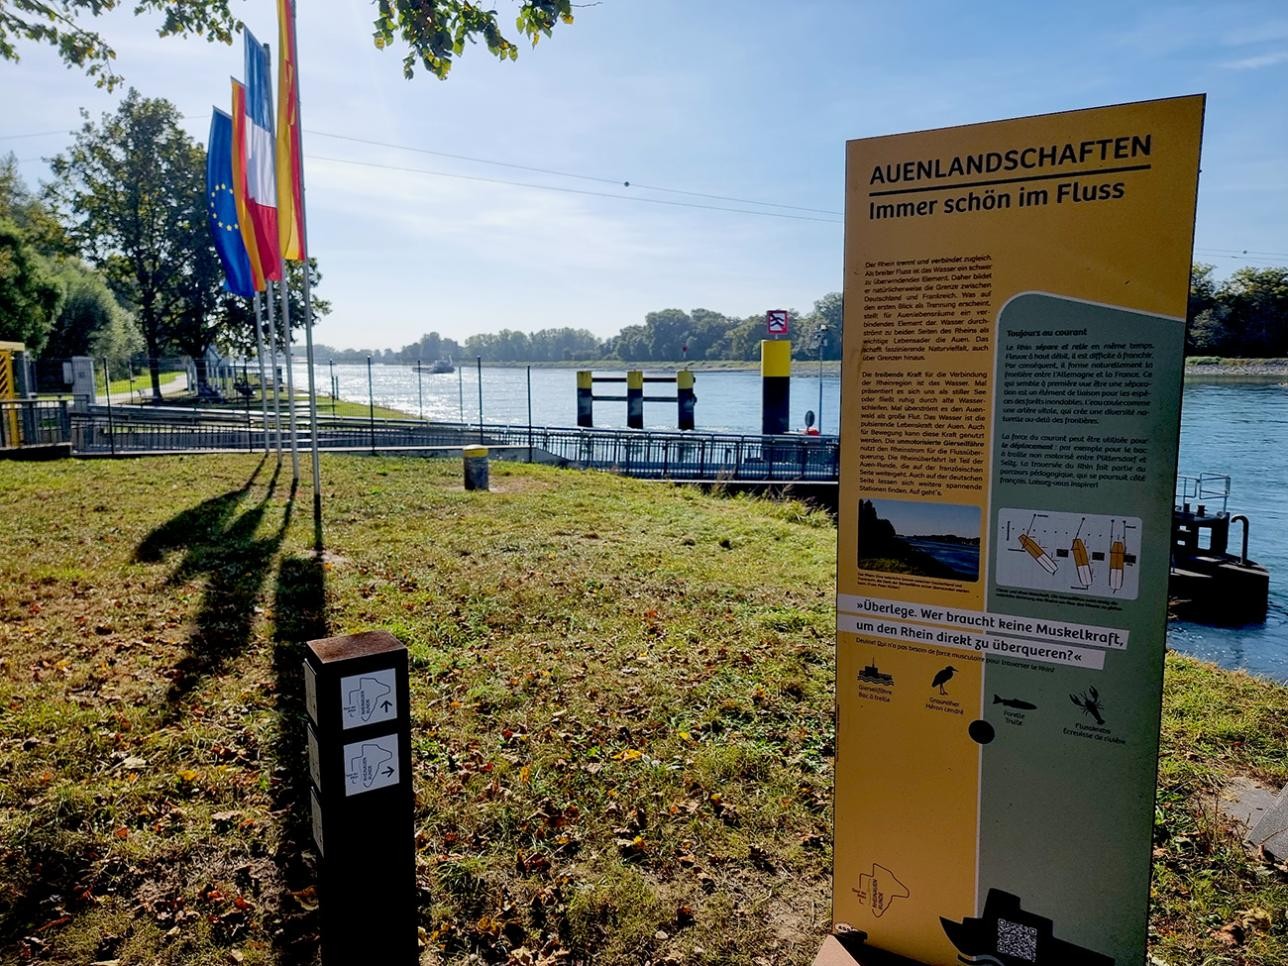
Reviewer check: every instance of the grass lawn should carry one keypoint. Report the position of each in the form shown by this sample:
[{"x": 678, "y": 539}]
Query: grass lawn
[
  {"x": 342, "y": 407},
  {"x": 142, "y": 382},
  {"x": 621, "y": 711}
]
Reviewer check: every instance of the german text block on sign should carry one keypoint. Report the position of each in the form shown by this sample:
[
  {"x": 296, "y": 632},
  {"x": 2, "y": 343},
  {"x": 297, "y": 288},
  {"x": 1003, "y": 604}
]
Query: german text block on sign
[
  {"x": 369, "y": 698},
  {"x": 370, "y": 764}
]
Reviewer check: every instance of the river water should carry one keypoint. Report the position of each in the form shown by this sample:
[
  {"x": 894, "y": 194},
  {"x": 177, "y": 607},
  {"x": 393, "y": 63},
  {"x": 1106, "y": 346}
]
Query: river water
[{"x": 1239, "y": 429}]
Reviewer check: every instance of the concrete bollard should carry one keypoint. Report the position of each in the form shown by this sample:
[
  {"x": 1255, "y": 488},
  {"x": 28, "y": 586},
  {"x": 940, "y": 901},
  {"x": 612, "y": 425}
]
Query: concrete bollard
[{"x": 475, "y": 467}]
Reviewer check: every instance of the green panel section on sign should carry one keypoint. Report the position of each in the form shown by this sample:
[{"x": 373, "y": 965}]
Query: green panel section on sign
[{"x": 1086, "y": 414}]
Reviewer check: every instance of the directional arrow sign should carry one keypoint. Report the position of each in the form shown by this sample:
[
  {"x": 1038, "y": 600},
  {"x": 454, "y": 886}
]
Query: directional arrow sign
[
  {"x": 370, "y": 764},
  {"x": 369, "y": 698}
]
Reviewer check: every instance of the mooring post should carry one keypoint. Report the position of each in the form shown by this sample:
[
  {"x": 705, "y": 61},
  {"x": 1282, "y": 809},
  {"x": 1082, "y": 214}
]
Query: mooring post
[
  {"x": 359, "y": 746},
  {"x": 585, "y": 402},
  {"x": 635, "y": 399},
  {"x": 776, "y": 381},
  {"x": 476, "y": 467},
  {"x": 684, "y": 398}
]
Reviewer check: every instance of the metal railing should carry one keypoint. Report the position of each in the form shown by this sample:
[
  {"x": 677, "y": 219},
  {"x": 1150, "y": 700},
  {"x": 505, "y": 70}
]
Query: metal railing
[
  {"x": 639, "y": 453},
  {"x": 1210, "y": 489},
  {"x": 33, "y": 422}
]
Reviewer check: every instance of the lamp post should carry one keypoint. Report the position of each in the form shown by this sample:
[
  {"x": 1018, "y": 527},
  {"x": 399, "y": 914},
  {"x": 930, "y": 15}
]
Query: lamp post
[{"x": 822, "y": 338}]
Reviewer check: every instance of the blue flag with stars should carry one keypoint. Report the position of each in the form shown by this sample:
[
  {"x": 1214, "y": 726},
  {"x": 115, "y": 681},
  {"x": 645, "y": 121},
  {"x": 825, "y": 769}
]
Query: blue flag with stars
[{"x": 221, "y": 207}]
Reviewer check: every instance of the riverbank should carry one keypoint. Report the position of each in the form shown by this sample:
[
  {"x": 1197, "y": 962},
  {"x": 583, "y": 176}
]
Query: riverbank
[
  {"x": 622, "y": 713},
  {"x": 1216, "y": 367}
]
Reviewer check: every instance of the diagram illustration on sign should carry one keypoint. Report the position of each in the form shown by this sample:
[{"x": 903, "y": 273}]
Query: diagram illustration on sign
[
  {"x": 942, "y": 678},
  {"x": 369, "y": 698},
  {"x": 370, "y": 764},
  {"x": 879, "y": 888},
  {"x": 776, "y": 321},
  {"x": 1082, "y": 553}
]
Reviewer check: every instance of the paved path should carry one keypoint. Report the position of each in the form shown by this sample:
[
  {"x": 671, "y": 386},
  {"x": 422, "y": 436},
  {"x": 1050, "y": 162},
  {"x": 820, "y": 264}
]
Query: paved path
[{"x": 143, "y": 390}]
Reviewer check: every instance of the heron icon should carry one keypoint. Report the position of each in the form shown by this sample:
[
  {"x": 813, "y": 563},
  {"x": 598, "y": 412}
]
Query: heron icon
[{"x": 942, "y": 678}]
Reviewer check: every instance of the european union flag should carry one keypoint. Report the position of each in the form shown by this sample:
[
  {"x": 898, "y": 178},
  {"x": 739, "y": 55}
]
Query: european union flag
[{"x": 221, "y": 207}]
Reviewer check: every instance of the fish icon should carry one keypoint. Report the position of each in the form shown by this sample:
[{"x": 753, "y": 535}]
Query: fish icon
[{"x": 1014, "y": 703}]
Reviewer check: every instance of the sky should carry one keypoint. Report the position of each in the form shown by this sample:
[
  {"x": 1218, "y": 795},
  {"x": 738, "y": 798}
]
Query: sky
[
  {"x": 911, "y": 519},
  {"x": 744, "y": 100}
]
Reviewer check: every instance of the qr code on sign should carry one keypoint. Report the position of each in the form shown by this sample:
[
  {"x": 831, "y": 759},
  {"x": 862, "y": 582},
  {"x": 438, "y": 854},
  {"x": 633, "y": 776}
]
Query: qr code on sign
[{"x": 1014, "y": 939}]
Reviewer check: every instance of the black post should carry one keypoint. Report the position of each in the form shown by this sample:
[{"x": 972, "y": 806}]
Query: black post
[
  {"x": 585, "y": 398},
  {"x": 776, "y": 381},
  {"x": 331, "y": 363},
  {"x": 111, "y": 430},
  {"x": 478, "y": 362},
  {"x": 420, "y": 387},
  {"x": 359, "y": 747},
  {"x": 371, "y": 408},
  {"x": 529, "y": 414},
  {"x": 684, "y": 398},
  {"x": 635, "y": 399}
]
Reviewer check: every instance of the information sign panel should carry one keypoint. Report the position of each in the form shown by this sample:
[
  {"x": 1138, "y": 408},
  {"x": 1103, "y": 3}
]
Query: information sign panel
[{"x": 1015, "y": 296}]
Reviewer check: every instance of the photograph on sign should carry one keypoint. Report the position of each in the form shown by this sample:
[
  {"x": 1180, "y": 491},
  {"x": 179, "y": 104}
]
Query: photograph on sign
[
  {"x": 928, "y": 539},
  {"x": 1015, "y": 295},
  {"x": 370, "y": 764},
  {"x": 369, "y": 698}
]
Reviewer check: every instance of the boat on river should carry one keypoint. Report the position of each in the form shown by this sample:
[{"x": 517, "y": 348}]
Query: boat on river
[{"x": 436, "y": 368}]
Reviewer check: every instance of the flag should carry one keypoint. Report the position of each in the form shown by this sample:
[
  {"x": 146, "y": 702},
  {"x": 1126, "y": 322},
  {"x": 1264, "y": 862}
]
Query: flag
[
  {"x": 261, "y": 179},
  {"x": 290, "y": 167},
  {"x": 221, "y": 207},
  {"x": 238, "y": 155}
]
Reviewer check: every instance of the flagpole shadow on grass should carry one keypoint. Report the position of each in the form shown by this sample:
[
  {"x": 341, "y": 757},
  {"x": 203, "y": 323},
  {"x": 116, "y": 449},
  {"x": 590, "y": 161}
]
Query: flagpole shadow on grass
[
  {"x": 220, "y": 540},
  {"x": 299, "y": 610}
]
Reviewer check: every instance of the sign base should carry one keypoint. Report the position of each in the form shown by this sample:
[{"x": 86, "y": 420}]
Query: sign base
[{"x": 850, "y": 949}]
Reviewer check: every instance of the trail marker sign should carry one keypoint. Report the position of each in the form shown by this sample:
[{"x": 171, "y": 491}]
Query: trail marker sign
[{"x": 360, "y": 797}]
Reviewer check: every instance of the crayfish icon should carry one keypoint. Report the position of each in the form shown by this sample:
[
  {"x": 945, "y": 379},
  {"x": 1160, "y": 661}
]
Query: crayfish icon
[{"x": 1090, "y": 703}]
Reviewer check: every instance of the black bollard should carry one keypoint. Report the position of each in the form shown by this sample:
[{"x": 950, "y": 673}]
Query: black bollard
[
  {"x": 635, "y": 399},
  {"x": 685, "y": 398},
  {"x": 585, "y": 401},
  {"x": 359, "y": 740},
  {"x": 776, "y": 381},
  {"x": 476, "y": 467}
]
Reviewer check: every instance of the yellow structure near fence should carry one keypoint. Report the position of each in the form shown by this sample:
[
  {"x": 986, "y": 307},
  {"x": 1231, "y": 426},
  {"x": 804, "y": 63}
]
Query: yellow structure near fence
[{"x": 9, "y": 390}]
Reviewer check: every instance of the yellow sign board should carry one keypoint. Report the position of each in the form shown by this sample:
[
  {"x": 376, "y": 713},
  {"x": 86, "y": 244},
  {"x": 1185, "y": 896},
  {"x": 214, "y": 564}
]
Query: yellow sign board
[{"x": 1015, "y": 295}]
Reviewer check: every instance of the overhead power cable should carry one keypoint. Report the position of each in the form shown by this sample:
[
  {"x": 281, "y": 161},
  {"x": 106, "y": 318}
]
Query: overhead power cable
[
  {"x": 573, "y": 191},
  {"x": 566, "y": 174}
]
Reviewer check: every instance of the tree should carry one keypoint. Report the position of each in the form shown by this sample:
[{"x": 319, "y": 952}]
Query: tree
[
  {"x": 434, "y": 31},
  {"x": 28, "y": 296},
  {"x": 128, "y": 188},
  {"x": 237, "y": 315},
  {"x": 91, "y": 322},
  {"x": 33, "y": 217},
  {"x": 1257, "y": 299}
]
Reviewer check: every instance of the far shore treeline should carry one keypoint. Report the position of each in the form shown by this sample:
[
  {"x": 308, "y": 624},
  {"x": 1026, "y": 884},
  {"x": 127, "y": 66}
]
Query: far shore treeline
[
  {"x": 1243, "y": 316},
  {"x": 112, "y": 258}
]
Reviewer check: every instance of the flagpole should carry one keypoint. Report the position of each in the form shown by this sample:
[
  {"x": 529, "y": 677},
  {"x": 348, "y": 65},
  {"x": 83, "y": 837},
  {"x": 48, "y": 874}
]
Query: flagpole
[
  {"x": 284, "y": 290},
  {"x": 308, "y": 291},
  {"x": 272, "y": 353},
  {"x": 259, "y": 349}
]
